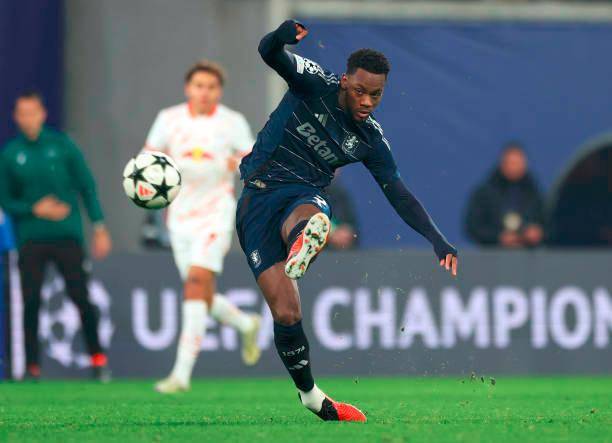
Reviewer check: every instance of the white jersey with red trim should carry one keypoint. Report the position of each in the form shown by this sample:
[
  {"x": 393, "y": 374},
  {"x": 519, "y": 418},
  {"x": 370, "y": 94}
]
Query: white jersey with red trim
[{"x": 202, "y": 146}]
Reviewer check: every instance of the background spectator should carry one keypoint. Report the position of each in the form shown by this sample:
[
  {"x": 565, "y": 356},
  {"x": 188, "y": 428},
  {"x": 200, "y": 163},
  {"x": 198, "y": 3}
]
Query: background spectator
[
  {"x": 345, "y": 228},
  {"x": 507, "y": 209},
  {"x": 581, "y": 213}
]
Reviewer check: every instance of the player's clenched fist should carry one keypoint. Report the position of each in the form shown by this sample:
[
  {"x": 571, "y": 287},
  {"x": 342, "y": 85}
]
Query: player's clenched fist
[{"x": 301, "y": 31}]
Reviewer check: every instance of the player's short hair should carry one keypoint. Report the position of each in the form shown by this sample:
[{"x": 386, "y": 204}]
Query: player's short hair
[
  {"x": 206, "y": 66},
  {"x": 30, "y": 95},
  {"x": 369, "y": 60}
]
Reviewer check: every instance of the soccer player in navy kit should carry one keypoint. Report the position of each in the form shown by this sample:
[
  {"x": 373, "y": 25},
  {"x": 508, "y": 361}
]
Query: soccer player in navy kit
[{"x": 323, "y": 122}]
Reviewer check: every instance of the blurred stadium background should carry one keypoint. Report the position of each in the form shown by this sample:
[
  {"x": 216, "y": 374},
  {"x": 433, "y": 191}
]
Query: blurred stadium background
[{"x": 466, "y": 78}]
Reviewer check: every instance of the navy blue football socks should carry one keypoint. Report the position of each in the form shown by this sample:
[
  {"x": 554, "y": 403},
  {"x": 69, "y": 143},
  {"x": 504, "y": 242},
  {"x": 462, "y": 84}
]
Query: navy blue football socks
[{"x": 292, "y": 347}]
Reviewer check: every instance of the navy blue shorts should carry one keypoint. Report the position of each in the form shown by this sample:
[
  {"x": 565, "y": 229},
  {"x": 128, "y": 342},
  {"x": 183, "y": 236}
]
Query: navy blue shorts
[{"x": 260, "y": 216}]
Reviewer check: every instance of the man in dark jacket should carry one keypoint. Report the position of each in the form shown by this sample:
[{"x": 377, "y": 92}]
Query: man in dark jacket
[{"x": 507, "y": 209}]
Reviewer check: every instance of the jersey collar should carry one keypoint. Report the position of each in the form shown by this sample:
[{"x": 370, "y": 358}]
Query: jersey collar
[
  {"x": 41, "y": 136},
  {"x": 194, "y": 115}
]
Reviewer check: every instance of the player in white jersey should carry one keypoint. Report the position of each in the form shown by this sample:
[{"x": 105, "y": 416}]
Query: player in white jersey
[{"x": 207, "y": 141}]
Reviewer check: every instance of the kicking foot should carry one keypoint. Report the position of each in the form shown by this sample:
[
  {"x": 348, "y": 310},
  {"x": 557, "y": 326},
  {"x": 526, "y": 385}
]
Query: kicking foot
[
  {"x": 335, "y": 411},
  {"x": 250, "y": 348},
  {"x": 171, "y": 385},
  {"x": 307, "y": 246}
]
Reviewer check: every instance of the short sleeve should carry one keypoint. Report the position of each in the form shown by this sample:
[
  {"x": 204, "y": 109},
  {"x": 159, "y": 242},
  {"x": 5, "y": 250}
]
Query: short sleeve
[
  {"x": 158, "y": 137},
  {"x": 243, "y": 137}
]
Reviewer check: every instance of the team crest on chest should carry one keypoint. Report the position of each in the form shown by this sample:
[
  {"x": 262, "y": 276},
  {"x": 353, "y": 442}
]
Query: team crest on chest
[
  {"x": 350, "y": 143},
  {"x": 21, "y": 158}
]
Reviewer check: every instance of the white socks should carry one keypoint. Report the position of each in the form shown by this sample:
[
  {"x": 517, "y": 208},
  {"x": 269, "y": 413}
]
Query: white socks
[
  {"x": 194, "y": 327},
  {"x": 313, "y": 399},
  {"x": 225, "y": 312},
  {"x": 192, "y": 332}
]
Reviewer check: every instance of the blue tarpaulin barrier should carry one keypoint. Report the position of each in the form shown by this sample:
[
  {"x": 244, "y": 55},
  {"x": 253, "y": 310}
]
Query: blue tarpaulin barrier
[
  {"x": 31, "y": 49},
  {"x": 459, "y": 90}
]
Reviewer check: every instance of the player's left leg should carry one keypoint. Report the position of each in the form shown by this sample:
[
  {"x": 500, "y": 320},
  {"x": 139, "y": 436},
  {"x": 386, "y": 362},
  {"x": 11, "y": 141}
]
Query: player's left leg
[
  {"x": 224, "y": 311},
  {"x": 70, "y": 261}
]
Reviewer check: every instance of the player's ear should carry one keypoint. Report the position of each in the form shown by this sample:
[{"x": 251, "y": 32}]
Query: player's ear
[{"x": 343, "y": 81}]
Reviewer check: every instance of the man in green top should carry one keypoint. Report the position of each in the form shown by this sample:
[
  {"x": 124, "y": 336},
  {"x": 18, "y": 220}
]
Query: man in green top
[{"x": 42, "y": 174}]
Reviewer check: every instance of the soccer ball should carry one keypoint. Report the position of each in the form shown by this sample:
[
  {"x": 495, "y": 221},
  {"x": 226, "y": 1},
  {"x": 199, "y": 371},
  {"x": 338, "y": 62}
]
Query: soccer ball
[{"x": 151, "y": 180}]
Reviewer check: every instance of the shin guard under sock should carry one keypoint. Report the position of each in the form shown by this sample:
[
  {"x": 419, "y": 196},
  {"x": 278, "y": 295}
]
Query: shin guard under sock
[{"x": 292, "y": 347}]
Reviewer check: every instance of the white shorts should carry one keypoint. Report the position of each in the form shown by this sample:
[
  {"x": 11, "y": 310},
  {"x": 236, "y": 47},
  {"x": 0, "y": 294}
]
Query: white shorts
[{"x": 205, "y": 249}]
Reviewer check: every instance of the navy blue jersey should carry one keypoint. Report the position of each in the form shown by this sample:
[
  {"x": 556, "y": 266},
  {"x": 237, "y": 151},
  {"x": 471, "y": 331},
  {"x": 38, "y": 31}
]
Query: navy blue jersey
[{"x": 308, "y": 136}]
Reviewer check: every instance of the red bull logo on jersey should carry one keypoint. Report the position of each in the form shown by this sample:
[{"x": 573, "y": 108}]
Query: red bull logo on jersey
[
  {"x": 198, "y": 154},
  {"x": 309, "y": 132}
]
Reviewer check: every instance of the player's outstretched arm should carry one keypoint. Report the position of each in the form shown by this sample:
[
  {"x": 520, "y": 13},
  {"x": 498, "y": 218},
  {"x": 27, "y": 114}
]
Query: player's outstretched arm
[
  {"x": 272, "y": 50},
  {"x": 410, "y": 209},
  {"x": 383, "y": 168}
]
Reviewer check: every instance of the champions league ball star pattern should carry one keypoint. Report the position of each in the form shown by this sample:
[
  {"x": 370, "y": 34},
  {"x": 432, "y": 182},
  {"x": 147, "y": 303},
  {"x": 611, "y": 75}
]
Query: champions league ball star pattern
[{"x": 151, "y": 180}]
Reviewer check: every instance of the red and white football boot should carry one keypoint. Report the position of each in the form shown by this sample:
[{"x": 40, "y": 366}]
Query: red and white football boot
[
  {"x": 306, "y": 247},
  {"x": 336, "y": 411}
]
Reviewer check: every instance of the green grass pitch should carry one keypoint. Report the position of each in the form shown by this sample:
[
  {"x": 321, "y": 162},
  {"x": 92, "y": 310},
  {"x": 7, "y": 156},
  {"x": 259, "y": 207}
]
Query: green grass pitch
[{"x": 399, "y": 410}]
